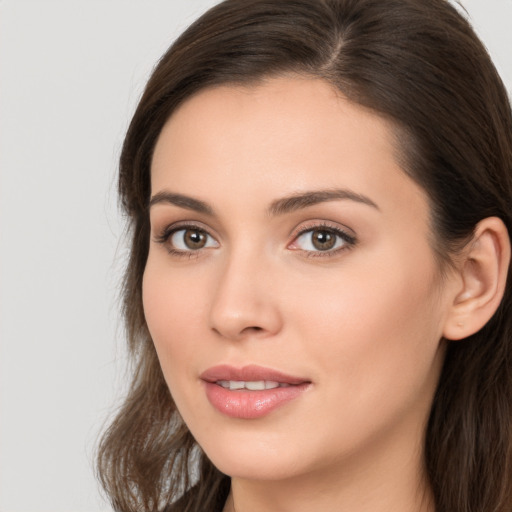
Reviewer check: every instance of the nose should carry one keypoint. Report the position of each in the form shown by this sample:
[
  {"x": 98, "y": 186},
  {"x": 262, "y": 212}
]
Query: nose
[{"x": 245, "y": 303}]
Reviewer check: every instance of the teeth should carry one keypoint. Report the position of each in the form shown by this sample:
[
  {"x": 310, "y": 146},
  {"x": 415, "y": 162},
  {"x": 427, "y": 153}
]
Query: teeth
[{"x": 257, "y": 385}]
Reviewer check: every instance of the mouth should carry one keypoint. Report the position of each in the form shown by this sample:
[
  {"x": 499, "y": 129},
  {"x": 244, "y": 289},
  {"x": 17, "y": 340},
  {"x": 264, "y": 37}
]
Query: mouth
[
  {"x": 254, "y": 385},
  {"x": 254, "y": 376},
  {"x": 252, "y": 391}
]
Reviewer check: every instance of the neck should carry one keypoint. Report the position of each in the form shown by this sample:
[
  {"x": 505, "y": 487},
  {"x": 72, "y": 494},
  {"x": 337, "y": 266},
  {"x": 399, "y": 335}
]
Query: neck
[{"x": 328, "y": 497}]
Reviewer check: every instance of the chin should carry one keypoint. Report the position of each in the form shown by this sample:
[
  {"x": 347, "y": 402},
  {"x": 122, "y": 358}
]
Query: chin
[
  {"x": 254, "y": 460},
  {"x": 254, "y": 469}
]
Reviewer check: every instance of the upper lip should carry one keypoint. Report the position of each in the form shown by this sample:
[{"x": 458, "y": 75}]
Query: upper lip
[{"x": 249, "y": 373}]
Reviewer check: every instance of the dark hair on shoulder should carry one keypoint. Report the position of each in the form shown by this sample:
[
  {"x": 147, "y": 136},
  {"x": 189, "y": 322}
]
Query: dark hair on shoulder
[{"x": 420, "y": 65}]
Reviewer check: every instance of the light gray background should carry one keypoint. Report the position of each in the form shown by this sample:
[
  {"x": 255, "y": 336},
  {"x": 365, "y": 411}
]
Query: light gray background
[{"x": 71, "y": 72}]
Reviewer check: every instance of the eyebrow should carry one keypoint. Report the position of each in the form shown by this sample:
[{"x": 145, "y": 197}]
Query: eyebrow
[
  {"x": 278, "y": 207},
  {"x": 182, "y": 201},
  {"x": 305, "y": 199}
]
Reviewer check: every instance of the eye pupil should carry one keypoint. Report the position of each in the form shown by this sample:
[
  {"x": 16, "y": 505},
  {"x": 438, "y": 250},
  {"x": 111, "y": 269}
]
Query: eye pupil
[
  {"x": 323, "y": 240},
  {"x": 194, "y": 239}
]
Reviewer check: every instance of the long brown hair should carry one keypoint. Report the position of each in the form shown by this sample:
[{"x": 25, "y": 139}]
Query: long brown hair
[{"x": 417, "y": 63}]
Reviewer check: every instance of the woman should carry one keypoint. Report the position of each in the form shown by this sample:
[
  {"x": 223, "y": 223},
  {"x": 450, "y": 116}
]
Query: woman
[{"x": 317, "y": 300}]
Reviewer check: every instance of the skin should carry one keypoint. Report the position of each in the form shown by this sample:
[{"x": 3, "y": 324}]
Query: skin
[{"x": 363, "y": 323}]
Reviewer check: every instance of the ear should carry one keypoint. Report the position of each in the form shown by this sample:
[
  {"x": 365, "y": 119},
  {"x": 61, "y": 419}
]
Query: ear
[{"x": 483, "y": 270}]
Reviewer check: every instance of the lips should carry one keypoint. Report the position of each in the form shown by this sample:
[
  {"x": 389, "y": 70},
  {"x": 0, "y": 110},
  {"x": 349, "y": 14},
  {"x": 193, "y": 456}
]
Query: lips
[{"x": 252, "y": 391}]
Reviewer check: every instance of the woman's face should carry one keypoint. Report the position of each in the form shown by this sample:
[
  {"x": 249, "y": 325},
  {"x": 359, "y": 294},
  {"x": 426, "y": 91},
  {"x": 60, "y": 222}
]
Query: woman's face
[{"x": 289, "y": 249}]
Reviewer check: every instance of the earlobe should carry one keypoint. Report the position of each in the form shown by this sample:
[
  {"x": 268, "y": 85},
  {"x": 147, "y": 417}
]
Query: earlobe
[{"x": 483, "y": 270}]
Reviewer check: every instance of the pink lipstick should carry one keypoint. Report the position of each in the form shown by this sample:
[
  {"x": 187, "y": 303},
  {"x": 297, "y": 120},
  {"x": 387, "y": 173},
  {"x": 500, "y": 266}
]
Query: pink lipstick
[{"x": 250, "y": 392}]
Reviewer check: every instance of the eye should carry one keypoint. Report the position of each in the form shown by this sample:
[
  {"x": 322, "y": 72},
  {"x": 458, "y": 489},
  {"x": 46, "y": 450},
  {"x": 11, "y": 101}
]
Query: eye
[
  {"x": 322, "y": 239},
  {"x": 185, "y": 240},
  {"x": 191, "y": 239}
]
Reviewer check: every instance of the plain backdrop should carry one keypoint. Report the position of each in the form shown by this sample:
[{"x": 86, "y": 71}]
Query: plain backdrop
[{"x": 71, "y": 72}]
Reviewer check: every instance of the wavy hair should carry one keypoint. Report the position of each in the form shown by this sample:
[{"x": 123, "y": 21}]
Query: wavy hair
[{"x": 417, "y": 63}]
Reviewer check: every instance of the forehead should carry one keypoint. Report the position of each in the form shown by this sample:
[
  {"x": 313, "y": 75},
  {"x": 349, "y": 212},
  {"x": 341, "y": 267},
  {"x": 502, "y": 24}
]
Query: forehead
[
  {"x": 288, "y": 107},
  {"x": 280, "y": 136}
]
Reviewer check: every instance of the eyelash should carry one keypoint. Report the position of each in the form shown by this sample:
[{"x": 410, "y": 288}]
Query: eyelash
[
  {"x": 349, "y": 241},
  {"x": 164, "y": 237}
]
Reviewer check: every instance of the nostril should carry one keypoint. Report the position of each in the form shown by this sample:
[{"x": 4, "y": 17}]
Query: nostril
[
  {"x": 253, "y": 328},
  {"x": 245, "y": 331}
]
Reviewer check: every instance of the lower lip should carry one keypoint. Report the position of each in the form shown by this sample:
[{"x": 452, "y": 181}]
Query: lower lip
[{"x": 250, "y": 405}]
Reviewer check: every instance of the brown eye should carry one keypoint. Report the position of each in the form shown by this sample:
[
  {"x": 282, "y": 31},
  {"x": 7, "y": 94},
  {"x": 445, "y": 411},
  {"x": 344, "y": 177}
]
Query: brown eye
[
  {"x": 191, "y": 239},
  {"x": 194, "y": 239},
  {"x": 322, "y": 239}
]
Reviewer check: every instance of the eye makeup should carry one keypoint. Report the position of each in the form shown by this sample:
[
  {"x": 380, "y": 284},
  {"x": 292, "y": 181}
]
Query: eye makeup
[
  {"x": 322, "y": 239},
  {"x": 315, "y": 239}
]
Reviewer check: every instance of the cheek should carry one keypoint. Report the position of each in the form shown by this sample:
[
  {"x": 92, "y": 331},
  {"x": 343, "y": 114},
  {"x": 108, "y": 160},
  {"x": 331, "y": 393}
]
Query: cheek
[
  {"x": 373, "y": 328},
  {"x": 173, "y": 314},
  {"x": 370, "y": 295},
  {"x": 174, "y": 317}
]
